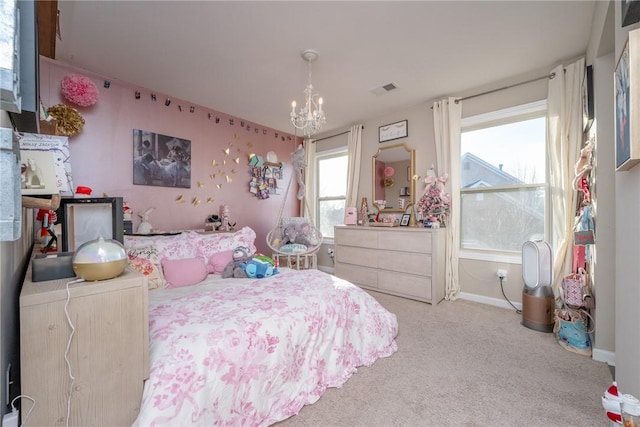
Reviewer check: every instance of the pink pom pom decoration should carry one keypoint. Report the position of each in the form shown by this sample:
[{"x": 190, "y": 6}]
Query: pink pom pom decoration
[
  {"x": 389, "y": 171},
  {"x": 79, "y": 90}
]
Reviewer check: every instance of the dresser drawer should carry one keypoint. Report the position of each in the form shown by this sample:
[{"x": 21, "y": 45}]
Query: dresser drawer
[
  {"x": 405, "y": 262},
  {"x": 357, "y": 256},
  {"x": 357, "y": 237},
  {"x": 405, "y": 284},
  {"x": 407, "y": 241},
  {"x": 359, "y": 275}
]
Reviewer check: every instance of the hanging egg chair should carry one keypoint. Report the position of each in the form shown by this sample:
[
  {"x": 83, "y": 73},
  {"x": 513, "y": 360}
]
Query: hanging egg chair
[{"x": 295, "y": 235}]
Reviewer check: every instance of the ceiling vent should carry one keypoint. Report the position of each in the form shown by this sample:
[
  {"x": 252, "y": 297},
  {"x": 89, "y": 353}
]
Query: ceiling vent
[{"x": 384, "y": 89}]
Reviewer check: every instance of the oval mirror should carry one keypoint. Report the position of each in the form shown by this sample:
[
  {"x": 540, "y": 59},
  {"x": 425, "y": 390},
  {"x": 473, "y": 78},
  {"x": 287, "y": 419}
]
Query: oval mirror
[{"x": 393, "y": 170}]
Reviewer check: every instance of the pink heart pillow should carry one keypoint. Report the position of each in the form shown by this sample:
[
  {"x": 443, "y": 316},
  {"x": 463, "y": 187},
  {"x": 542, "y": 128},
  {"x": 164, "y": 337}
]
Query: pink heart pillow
[
  {"x": 184, "y": 272},
  {"x": 218, "y": 261}
]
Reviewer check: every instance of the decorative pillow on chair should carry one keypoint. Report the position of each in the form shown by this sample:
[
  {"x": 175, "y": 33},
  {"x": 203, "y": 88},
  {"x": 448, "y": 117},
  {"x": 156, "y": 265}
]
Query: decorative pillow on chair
[
  {"x": 145, "y": 260},
  {"x": 184, "y": 272}
]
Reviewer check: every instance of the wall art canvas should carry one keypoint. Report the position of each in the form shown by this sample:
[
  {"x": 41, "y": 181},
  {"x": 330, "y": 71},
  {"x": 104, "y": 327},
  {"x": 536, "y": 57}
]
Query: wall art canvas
[
  {"x": 627, "y": 99},
  {"x": 58, "y": 146},
  {"x": 161, "y": 160}
]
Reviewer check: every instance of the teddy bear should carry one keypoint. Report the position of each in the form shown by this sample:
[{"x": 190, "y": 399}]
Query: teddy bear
[{"x": 241, "y": 255}]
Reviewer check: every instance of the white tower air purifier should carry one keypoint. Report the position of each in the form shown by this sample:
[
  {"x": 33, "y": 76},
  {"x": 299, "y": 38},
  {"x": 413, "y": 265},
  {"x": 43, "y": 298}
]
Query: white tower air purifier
[{"x": 538, "y": 302}]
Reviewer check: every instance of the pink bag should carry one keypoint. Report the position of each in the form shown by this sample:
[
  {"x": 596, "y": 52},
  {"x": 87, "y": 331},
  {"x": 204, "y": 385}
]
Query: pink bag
[{"x": 574, "y": 287}]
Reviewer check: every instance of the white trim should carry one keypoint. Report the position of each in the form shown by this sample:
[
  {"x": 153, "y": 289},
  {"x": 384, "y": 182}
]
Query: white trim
[
  {"x": 505, "y": 115},
  {"x": 489, "y": 301},
  {"x": 606, "y": 356},
  {"x": 326, "y": 269},
  {"x": 481, "y": 256}
]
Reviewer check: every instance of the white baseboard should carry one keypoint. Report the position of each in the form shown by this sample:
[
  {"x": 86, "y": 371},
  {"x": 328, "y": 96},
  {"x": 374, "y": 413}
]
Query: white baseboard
[
  {"x": 598, "y": 355},
  {"x": 606, "y": 356},
  {"x": 489, "y": 301},
  {"x": 326, "y": 269}
]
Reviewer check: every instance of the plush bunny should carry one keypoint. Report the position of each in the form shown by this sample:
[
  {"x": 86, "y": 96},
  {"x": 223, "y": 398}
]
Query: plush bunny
[
  {"x": 299, "y": 164},
  {"x": 583, "y": 165}
]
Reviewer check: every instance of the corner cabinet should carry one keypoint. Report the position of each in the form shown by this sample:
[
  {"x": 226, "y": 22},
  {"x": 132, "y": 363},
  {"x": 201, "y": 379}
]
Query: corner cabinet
[
  {"x": 108, "y": 353},
  {"x": 402, "y": 261}
]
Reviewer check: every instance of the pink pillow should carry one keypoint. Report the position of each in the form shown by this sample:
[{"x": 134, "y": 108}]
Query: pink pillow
[
  {"x": 184, "y": 272},
  {"x": 218, "y": 261}
]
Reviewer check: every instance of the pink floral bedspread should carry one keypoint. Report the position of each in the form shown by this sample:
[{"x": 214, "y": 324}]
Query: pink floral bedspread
[{"x": 255, "y": 353}]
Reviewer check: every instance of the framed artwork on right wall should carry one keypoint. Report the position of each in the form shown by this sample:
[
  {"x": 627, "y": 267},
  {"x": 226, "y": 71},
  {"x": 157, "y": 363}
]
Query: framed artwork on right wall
[{"x": 627, "y": 99}]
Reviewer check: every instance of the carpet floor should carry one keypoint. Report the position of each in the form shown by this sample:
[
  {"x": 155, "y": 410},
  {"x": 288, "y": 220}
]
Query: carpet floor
[{"x": 465, "y": 363}]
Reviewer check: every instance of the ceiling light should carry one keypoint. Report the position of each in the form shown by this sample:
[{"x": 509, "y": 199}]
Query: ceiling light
[{"x": 310, "y": 118}]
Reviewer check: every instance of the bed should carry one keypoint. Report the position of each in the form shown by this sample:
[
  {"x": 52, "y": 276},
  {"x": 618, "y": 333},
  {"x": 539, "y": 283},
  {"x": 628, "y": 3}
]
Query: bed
[{"x": 255, "y": 351}]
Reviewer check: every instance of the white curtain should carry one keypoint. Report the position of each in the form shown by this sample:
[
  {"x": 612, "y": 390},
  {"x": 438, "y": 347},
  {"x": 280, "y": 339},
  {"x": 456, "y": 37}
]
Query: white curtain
[
  {"x": 446, "y": 123},
  {"x": 564, "y": 138},
  {"x": 310, "y": 193},
  {"x": 353, "y": 170}
]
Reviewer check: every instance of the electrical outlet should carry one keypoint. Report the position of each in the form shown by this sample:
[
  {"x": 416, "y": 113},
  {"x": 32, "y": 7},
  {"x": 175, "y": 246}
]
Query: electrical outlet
[
  {"x": 330, "y": 251},
  {"x": 11, "y": 419},
  {"x": 502, "y": 274}
]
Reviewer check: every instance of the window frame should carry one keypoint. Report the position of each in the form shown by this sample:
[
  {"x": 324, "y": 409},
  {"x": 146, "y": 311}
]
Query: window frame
[
  {"x": 491, "y": 119},
  {"x": 319, "y": 156}
]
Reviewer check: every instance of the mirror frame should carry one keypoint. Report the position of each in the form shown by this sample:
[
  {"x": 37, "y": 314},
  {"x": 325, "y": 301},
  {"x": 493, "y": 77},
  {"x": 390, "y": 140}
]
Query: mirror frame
[{"x": 412, "y": 192}]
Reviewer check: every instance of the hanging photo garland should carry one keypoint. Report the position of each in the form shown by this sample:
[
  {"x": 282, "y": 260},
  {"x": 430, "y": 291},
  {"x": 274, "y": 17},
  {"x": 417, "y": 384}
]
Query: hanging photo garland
[
  {"x": 79, "y": 90},
  {"x": 69, "y": 121}
]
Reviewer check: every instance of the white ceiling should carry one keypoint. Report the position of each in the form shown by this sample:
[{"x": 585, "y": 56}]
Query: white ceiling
[{"x": 243, "y": 58}]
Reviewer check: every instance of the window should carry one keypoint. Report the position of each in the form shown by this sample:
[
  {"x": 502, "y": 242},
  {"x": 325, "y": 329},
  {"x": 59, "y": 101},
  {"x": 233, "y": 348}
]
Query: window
[
  {"x": 331, "y": 188},
  {"x": 503, "y": 181}
]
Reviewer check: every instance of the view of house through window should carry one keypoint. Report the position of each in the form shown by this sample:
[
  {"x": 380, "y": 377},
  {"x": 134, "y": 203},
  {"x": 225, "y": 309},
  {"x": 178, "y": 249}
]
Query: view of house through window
[
  {"x": 503, "y": 179},
  {"x": 331, "y": 184}
]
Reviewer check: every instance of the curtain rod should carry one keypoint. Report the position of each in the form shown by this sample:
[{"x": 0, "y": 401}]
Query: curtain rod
[
  {"x": 548, "y": 76},
  {"x": 333, "y": 136}
]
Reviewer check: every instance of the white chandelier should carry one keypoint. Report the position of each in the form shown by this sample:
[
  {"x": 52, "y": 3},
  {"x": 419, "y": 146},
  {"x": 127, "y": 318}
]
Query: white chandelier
[{"x": 310, "y": 118}]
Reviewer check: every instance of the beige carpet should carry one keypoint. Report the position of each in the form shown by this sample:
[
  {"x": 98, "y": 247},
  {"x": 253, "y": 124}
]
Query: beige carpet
[{"x": 465, "y": 363}]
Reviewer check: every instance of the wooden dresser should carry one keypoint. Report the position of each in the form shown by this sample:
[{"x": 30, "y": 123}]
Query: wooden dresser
[
  {"x": 403, "y": 261},
  {"x": 109, "y": 352}
]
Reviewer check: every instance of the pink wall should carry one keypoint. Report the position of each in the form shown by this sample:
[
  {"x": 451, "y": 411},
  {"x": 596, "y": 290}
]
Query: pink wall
[{"x": 101, "y": 155}]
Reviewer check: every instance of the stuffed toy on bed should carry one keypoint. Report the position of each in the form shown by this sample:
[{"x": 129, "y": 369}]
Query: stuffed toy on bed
[
  {"x": 234, "y": 268},
  {"x": 258, "y": 268}
]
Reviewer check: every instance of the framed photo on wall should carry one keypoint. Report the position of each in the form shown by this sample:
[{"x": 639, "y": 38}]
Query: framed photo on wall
[
  {"x": 587, "y": 98},
  {"x": 393, "y": 131},
  {"x": 627, "y": 99},
  {"x": 630, "y": 10}
]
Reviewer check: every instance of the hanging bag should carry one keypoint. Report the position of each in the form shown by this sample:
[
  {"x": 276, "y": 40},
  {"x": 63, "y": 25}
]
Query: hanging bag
[
  {"x": 574, "y": 287},
  {"x": 572, "y": 329},
  {"x": 583, "y": 233}
]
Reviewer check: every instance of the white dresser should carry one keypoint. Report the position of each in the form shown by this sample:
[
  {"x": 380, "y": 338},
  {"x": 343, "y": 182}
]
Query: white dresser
[{"x": 403, "y": 261}]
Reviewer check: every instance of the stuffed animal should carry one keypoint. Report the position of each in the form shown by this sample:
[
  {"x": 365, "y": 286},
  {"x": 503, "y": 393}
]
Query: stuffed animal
[
  {"x": 258, "y": 268},
  {"x": 299, "y": 164},
  {"x": 298, "y": 233},
  {"x": 145, "y": 226},
  {"x": 583, "y": 165},
  {"x": 235, "y": 268}
]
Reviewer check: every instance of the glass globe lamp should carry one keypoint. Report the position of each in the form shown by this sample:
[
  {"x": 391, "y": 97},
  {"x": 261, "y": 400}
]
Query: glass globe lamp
[{"x": 99, "y": 259}]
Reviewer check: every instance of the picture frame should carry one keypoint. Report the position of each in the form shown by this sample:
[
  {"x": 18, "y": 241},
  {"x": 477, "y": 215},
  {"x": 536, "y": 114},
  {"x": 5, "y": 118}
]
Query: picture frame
[
  {"x": 161, "y": 160},
  {"x": 587, "y": 99},
  {"x": 393, "y": 131},
  {"x": 630, "y": 10},
  {"x": 627, "y": 104},
  {"x": 404, "y": 221}
]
